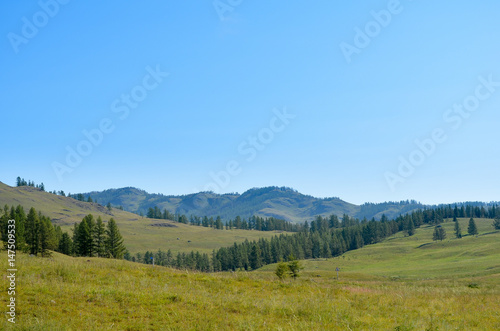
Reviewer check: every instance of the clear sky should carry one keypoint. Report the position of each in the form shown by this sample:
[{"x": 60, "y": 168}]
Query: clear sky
[{"x": 327, "y": 97}]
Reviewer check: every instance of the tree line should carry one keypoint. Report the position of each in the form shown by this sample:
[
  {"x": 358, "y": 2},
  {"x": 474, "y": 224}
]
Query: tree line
[
  {"x": 92, "y": 238},
  {"x": 323, "y": 237},
  {"x": 22, "y": 182},
  {"x": 318, "y": 242},
  {"x": 35, "y": 234},
  {"x": 253, "y": 223}
]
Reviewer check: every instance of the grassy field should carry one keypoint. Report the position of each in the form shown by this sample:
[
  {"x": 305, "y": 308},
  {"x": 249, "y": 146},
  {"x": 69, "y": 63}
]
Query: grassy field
[
  {"x": 403, "y": 283},
  {"x": 138, "y": 233},
  {"x": 140, "y": 236},
  {"x": 420, "y": 258}
]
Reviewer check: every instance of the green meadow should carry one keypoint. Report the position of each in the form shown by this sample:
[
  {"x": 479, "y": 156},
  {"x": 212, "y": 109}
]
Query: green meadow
[{"x": 402, "y": 283}]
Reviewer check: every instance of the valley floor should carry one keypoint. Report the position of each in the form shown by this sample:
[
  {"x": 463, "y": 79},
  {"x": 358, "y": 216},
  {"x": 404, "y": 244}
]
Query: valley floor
[{"x": 403, "y": 283}]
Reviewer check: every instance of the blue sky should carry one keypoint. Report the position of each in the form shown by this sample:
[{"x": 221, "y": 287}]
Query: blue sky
[{"x": 258, "y": 93}]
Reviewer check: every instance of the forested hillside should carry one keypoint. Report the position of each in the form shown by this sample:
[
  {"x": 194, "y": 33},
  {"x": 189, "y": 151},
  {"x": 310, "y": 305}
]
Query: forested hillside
[{"x": 278, "y": 202}]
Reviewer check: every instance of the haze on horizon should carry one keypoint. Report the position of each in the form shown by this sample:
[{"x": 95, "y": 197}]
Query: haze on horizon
[{"x": 371, "y": 102}]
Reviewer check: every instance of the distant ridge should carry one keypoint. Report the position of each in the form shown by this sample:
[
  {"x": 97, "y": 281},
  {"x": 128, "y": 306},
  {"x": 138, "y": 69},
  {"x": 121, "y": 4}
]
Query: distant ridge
[{"x": 280, "y": 202}]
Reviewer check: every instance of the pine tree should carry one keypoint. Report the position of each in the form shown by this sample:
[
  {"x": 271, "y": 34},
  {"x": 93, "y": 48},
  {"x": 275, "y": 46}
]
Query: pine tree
[
  {"x": 458, "y": 230},
  {"x": 282, "y": 270},
  {"x": 294, "y": 267},
  {"x": 32, "y": 232},
  {"x": 472, "y": 228},
  {"x": 83, "y": 239},
  {"x": 255, "y": 257},
  {"x": 66, "y": 244},
  {"x": 99, "y": 237},
  {"x": 4, "y": 226},
  {"x": 114, "y": 241},
  {"x": 439, "y": 233},
  {"x": 496, "y": 223},
  {"x": 411, "y": 228},
  {"x": 89, "y": 240},
  {"x": 47, "y": 236}
]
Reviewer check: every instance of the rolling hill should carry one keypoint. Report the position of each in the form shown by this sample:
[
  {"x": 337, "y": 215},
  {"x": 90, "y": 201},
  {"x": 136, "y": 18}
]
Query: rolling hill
[
  {"x": 140, "y": 233},
  {"x": 279, "y": 202}
]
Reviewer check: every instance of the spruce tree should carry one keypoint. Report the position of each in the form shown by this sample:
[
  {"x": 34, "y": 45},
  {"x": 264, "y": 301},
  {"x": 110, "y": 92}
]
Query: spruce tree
[
  {"x": 47, "y": 234},
  {"x": 458, "y": 230},
  {"x": 255, "y": 258},
  {"x": 98, "y": 238},
  {"x": 411, "y": 228},
  {"x": 32, "y": 232},
  {"x": 282, "y": 270},
  {"x": 439, "y": 233},
  {"x": 83, "y": 239},
  {"x": 472, "y": 228},
  {"x": 294, "y": 267},
  {"x": 114, "y": 241},
  {"x": 66, "y": 244},
  {"x": 496, "y": 223},
  {"x": 90, "y": 244}
]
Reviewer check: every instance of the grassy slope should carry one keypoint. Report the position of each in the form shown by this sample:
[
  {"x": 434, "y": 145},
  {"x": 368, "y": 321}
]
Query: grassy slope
[
  {"x": 419, "y": 258},
  {"x": 98, "y": 294},
  {"x": 137, "y": 231}
]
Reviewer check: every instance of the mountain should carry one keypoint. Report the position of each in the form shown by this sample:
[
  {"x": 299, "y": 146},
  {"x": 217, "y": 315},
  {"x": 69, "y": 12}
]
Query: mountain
[{"x": 279, "y": 202}]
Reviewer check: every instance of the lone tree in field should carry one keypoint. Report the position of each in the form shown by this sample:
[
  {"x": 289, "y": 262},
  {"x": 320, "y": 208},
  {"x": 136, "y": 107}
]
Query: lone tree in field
[
  {"x": 496, "y": 223},
  {"x": 458, "y": 230},
  {"x": 114, "y": 241},
  {"x": 439, "y": 233},
  {"x": 282, "y": 270},
  {"x": 294, "y": 267},
  {"x": 472, "y": 229}
]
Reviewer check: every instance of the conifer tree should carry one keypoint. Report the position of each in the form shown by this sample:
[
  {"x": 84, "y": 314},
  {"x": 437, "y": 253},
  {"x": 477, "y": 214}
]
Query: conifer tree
[
  {"x": 114, "y": 241},
  {"x": 411, "y": 228},
  {"x": 294, "y": 267},
  {"x": 255, "y": 258},
  {"x": 99, "y": 237},
  {"x": 66, "y": 244},
  {"x": 458, "y": 230},
  {"x": 83, "y": 239},
  {"x": 48, "y": 240},
  {"x": 496, "y": 223},
  {"x": 472, "y": 228},
  {"x": 439, "y": 233},
  {"x": 32, "y": 233},
  {"x": 282, "y": 270}
]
